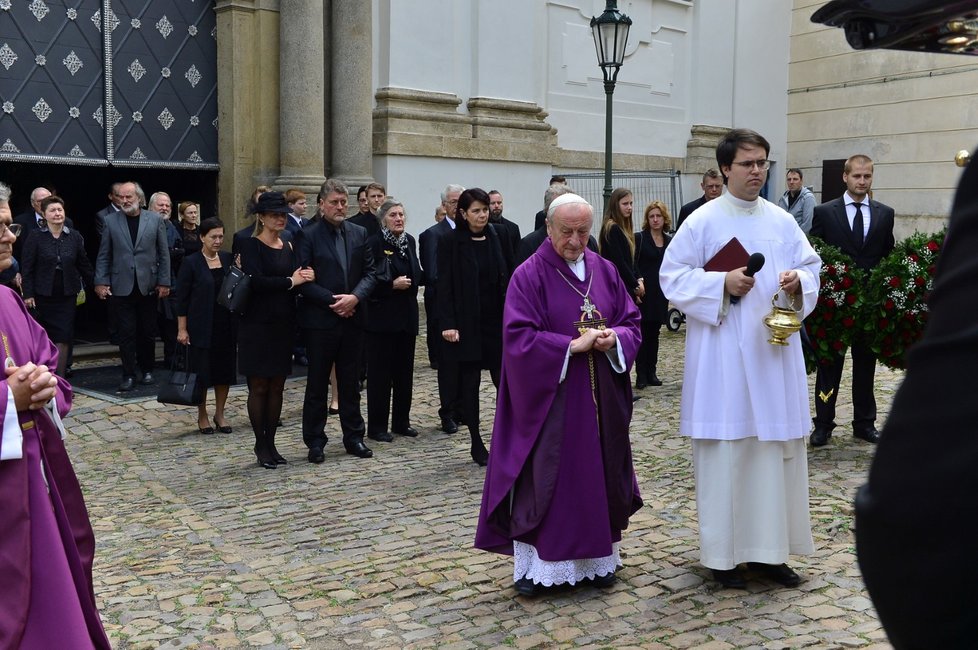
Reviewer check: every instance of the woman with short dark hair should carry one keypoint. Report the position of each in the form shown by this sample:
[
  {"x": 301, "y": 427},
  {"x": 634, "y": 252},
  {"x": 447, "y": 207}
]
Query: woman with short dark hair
[
  {"x": 472, "y": 282},
  {"x": 206, "y": 326},
  {"x": 55, "y": 269}
]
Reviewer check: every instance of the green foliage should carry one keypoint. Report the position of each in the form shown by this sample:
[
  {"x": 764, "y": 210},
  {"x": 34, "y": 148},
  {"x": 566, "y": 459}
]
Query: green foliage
[{"x": 836, "y": 317}]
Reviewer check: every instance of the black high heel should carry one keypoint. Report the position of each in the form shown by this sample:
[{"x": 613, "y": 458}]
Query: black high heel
[
  {"x": 265, "y": 461},
  {"x": 225, "y": 429}
]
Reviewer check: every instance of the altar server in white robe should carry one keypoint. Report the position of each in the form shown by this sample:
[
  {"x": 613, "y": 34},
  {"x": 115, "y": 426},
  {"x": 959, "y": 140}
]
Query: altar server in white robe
[{"x": 745, "y": 402}]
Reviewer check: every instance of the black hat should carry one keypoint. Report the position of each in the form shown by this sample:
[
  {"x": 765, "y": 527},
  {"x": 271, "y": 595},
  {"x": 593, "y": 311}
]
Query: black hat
[
  {"x": 916, "y": 25},
  {"x": 272, "y": 202}
]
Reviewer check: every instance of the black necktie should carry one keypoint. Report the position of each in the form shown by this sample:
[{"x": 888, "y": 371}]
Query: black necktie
[
  {"x": 340, "y": 249},
  {"x": 857, "y": 226}
]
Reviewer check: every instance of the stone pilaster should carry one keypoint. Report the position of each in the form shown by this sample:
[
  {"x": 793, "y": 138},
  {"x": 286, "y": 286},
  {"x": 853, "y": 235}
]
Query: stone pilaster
[
  {"x": 301, "y": 94},
  {"x": 701, "y": 149},
  {"x": 351, "y": 101}
]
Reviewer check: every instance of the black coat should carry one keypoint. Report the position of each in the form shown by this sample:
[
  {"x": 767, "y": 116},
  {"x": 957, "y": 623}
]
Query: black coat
[
  {"x": 529, "y": 244},
  {"x": 648, "y": 259},
  {"x": 428, "y": 242},
  {"x": 367, "y": 221},
  {"x": 458, "y": 303},
  {"x": 688, "y": 209},
  {"x": 195, "y": 297},
  {"x": 28, "y": 221},
  {"x": 917, "y": 517},
  {"x": 393, "y": 310},
  {"x": 614, "y": 248},
  {"x": 316, "y": 249},
  {"x": 831, "y": 224},
  {"x": 40, "y": 260}
]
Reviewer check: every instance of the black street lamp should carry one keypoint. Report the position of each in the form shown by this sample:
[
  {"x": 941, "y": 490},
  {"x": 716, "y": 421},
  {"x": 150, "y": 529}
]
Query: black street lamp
[{"x": 610, "y": 31}]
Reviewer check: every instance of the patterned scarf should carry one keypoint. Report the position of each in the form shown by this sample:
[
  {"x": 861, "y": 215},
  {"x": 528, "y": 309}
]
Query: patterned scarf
[{"x": 400, "y": 242}]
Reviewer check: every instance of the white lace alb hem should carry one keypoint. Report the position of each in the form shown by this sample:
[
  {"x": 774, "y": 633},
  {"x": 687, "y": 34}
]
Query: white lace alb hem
[{"x": 527, "y": 564}]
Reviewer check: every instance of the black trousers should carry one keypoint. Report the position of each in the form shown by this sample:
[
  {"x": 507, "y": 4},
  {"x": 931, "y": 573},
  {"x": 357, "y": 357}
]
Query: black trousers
[
  {"x": 449, "y": 378},
  {"x": 470, "y": 377},
  {"x": 648, "y": 352},
  {"x": 827, "y": 382},
  {"x": 339, "y": 346},
  {"x": 433, "y": 333},
  {"x": 134, "y": 317},
  {"x": 390, "y": 366}
]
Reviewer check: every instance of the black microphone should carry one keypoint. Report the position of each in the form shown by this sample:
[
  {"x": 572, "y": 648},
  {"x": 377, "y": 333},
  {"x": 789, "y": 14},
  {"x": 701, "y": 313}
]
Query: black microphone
[{"x": 754, "y": 264}]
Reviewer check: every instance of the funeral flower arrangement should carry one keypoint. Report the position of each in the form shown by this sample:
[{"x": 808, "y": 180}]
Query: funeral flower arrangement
[
  {"x": 895, "y": 312},
  {"x": 836, "y": 317}
]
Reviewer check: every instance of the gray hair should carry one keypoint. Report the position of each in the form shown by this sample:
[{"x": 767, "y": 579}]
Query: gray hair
[
  {"x": 552, "y": 193},
  {"x": 449, "y": 189},
  {"x": 140, "y": 194},
  {"x": 385, "y": 208},
  {"x": 330, "y": 186},
  {"x": 4, "y": 193},
  {"x": 156, "y": 195}
]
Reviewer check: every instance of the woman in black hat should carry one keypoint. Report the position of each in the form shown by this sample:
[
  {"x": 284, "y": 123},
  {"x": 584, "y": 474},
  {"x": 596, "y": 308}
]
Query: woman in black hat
[{"x": 265, "y": 335}]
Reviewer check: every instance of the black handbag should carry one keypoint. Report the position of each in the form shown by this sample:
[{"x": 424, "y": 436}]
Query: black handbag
[
  {"x": 235, "y": 290},
  {"x": 182, "y": 387}
]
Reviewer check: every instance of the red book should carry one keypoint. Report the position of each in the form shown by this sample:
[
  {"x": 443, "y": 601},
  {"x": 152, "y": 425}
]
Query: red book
[{"x": 732, "y": 256}]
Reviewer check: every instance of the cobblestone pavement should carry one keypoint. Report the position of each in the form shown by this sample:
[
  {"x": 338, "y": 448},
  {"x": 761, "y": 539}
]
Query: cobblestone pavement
[{"x": 199, "y": 547}]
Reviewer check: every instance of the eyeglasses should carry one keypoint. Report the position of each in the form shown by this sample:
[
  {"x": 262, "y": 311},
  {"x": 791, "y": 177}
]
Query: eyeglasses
[
  {"x": 747, "y": 165},
  {"x": 14, "y": 229}
]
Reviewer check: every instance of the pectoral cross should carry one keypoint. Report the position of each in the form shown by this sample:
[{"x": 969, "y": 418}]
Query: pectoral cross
[{"x": 591, "y": 318}]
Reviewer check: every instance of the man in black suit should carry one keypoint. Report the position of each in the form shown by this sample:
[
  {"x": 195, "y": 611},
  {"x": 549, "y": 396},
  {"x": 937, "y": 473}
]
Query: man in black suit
[
  {"x": 132, "y": 270},
  {"x": 115, "y": 205},
  {"x": 508, "y": 231},
  {"x": 712, "y": 186},
  {"x": 529, "y": 244},
  {"x": 331, "y": 319},
  {"x": 540, "y": 220},
  {"x": 448, "y": 371},
  {"x": 374, "y": 195},
  {"x": 863, "y": 229}
]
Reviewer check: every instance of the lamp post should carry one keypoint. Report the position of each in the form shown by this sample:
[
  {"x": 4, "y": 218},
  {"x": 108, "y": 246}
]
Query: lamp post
[{"x": 610, "y": 31}]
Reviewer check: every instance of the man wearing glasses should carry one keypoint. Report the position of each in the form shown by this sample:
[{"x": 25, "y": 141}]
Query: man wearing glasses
[{"x": 749, "y": 453}]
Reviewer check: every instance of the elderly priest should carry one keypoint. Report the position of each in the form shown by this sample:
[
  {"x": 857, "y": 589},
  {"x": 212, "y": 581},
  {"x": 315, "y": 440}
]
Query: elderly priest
[{"x": 560, "y": 486}]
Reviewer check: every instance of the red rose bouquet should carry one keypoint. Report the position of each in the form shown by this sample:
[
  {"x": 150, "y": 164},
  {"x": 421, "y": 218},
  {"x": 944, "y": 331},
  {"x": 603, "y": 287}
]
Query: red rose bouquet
[{"x": 836, "y": 317}]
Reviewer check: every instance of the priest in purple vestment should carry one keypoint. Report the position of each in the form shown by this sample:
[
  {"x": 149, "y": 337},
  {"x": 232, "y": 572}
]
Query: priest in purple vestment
[
  {"x": 46, "y": 547},
  {"x": 560, "y": 486}
]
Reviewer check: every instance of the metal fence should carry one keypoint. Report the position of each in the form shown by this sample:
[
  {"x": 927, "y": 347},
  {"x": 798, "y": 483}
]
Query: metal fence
[{"x": 645, "y": 186}]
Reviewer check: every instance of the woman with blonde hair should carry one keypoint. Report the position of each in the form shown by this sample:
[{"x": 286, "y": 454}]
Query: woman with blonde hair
[
  {"x": 617, "y": 241},
  {"x": 189, "y": 221},
  {"x": 650, "y": 246}
]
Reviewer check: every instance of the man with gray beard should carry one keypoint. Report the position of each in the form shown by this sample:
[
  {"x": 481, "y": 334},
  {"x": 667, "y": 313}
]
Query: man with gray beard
[{"x": 132, "y": 269}]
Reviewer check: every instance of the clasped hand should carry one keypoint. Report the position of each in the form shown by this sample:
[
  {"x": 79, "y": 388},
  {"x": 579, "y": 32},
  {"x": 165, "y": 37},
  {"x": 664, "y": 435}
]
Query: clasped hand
[
  {"x": 33, "y": 386},
  {"x": 600, "y": 340}
]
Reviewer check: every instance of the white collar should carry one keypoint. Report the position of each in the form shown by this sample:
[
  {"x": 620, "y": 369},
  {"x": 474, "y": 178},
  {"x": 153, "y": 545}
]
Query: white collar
[{"x": 577, "y": 267}]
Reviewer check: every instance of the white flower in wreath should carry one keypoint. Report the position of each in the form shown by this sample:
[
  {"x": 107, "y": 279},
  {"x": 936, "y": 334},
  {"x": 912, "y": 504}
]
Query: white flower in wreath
[{"x": 165, "y": 72}]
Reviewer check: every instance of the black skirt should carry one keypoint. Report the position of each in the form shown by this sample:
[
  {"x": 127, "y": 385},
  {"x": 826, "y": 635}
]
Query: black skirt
[{"x": 56, "y": 314}]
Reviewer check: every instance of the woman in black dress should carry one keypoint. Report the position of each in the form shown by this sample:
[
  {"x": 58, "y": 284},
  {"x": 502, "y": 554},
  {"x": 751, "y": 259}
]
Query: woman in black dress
[
  {"x": 206, "y": 326},
  {"x": 55, "y": 268},
  {"x": 265, "y": 333},
  {"x": 472, "y": 283},
  {"x": 617, "y": 241},
  {"x": 650, "y": 246},
  {"x": 392, "y": 326},
  {"x": 189, "y": 231}
]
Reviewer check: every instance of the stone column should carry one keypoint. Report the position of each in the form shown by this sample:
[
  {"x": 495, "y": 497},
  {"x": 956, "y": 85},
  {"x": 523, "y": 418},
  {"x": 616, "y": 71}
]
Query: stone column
[
  {"x": 351, "y": 97},
  {"x": 301, "y": 94}
]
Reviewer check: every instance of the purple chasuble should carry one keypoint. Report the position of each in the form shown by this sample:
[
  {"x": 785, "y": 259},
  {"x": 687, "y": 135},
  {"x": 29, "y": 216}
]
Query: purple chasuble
[
  {"x": 47, "y": 545},
  {"x": 560, "y": 473}
]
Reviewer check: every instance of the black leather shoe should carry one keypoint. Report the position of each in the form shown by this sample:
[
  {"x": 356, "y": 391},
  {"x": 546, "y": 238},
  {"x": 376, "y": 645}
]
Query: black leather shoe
[
  {"x": 730, "y": 578},
  {"x": 381, "y": 436},
  {"x": 448, "y": 425},
  {"x": 780, "y": 573},
  {"x": 525, "y": 587},
  {"x": 655, "y": 381},
  {"x": 410, "y": 432},
  {"x": 333, "y": 411},
  {"x": 480, "y": 455},
  {"x": 147, "y": 379},
  {"x": 639, "y": 385},
  {"x": 359, "y": 450},
  {"x": 820, "y": 437},
  {"x": 316, "y": 455},
  {"x": 869, "y": 435},
  {"x": 127, "y": 385},
  {"x": 605, "y": 581}
]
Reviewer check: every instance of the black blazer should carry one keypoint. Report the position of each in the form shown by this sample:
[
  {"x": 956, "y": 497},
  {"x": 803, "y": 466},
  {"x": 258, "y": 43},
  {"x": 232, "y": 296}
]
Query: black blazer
[
  {"x": 292, "y": 227},
  {"x": 614, "y": 248},
  {"x": 316, "y": 249},
  {"x": 40, "y": 260},
  {"x": 390, "y": 310},
  {"x": 459, "y": 306},
  {"x": 831, "y": 224},
  {"x": 688, "y": 209},
  {"x": 428, "y": 242},
  {"x": 367, "y": 221},
  {"x": 529, "y": 244},
  {"x": 272, "y": 300},
  {"x": 195, "y": 296},
  {"x": 248, "y": 232},
  {"x": 648, "y": 259}
]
